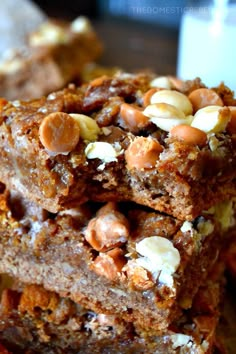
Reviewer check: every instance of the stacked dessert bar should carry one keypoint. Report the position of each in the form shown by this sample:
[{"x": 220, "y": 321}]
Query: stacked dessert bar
[
  {"x": 54, "y": 55},
  {"x": 116, "y": 198}
]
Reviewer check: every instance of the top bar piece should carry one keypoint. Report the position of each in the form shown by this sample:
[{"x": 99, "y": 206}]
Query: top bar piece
[{"x": 123, "y": 138}]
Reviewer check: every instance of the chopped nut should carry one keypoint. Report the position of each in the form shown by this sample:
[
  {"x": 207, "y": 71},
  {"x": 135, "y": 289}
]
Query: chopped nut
[
  {"x": 59, "y": 132},
  {"x": 212, "y": 119},
  {"x": 143, "y": 153},
  {"x": 104, "y": 151},
  {"x": 204, "y": 97},
  {"x": 189, "y": 135},
  {"x": 110, "y": 264},
  {"x": 158, "y": 255},
  {"x": 108, "y": 230},
  {"x": 133, "y": 118},
  {"x": 175, "y": 98},
  {"x": 89, "y": 130},
  {"x": 138, "y": 277},
  {"x": 166, "y": 116}
]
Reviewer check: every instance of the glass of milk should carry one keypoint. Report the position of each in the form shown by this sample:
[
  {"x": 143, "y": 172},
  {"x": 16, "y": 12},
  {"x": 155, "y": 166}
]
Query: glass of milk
[{"x": 207, "y": 44}]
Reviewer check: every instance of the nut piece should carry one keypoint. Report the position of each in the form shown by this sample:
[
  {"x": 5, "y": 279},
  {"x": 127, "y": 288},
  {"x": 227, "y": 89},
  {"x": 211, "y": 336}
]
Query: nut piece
[
  {"x": 147, "y": 96},
  {"x": 133, "y": 118},
  {"x": 89, "y": 129},
  {"x": 138, "y": 277},
  {"x": 166, "y": 116},
  {"x": 110, "y": 264},
  {"x": 189, "y": 135},
  {"x": 231, "y": 127},
  {"x": 158, "y": 254},
  {"x": 104, "y": 151},
  {"x": 59, "y": 132},
  {"x": 174, "y": 98},
  {"x": 161, "y": 82},
  {"x": 107, "y": 230},
  {"x": 212, "y": 119},
  {"x": 143, "y": 153},
  {"x": 204, "y": 97}
]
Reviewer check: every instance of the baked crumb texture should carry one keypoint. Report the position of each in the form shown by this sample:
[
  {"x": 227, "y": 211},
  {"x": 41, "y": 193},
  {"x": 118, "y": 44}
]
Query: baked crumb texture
[
  {"x": 119, "y": 260},
  {"x": 113, "y": 145},
  {"x": 35, "y": 320}
]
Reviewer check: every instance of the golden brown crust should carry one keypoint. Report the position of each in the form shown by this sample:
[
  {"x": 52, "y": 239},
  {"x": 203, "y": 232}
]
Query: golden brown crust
[
  {"x": 56, "y": 251},
  {"x": 186, "y": 179}
]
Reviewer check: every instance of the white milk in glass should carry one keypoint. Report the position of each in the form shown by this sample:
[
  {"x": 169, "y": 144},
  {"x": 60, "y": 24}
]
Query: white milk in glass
[{"x": 207, "y": 47}]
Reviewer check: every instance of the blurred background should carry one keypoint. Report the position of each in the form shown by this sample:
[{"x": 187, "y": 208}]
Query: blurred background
[
  {"x": 136, "y": 34},
  {"x": 186, "y": 38}
]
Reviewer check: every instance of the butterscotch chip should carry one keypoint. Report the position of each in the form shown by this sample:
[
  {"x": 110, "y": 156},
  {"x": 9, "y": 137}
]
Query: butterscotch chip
[
  {"x": 204, "y": 97},
  {"x": 59, "y": 132},
  {"x": 143, "y": 153},
  {"x": 109, "y": 264},
  {"x": 107, "y": 230},
  {"x": 188, "y": 134},
  {"x": 133, "y": 117}
]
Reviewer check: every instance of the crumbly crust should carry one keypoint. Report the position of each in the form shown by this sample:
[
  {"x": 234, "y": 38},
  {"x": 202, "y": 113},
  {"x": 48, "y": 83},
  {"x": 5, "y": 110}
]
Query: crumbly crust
[
  {"x": 57, "y": 253},
  {"x": 185, "y": 180}
]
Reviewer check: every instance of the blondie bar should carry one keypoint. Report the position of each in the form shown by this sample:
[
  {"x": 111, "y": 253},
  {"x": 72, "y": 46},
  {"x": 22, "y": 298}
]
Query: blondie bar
[
  {"x": 123, "y": 260},
  {"x": 55, "y": 55},
  {"x": 39, "y": 321},
  {"x": 120, "y": 138}
]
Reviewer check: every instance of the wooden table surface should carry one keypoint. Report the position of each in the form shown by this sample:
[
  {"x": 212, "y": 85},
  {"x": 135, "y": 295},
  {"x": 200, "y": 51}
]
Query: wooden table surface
[{"x": 133, "y": 46}]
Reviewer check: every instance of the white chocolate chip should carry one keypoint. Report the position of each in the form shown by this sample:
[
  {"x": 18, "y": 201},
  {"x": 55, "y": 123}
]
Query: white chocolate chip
[
  {"x": 161, "y": 82},
  {"x": 166, "y": 116},
  {"x": 48, "y": 33},
  {"x": 81, "y": 25},
  {"x": 89, "y": 130},
  {"x": 187, "y": 227},
  {"x": 180, "y": 340},
  {"x": 175, "y": 98},
  {"x": 158, "y": 255},
  {"x": 211, "y": 119},
  {"x": 104, "y": 151}
]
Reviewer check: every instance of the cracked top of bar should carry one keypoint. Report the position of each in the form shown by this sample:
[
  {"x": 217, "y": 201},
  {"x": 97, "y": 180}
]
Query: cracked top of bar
[{"x": 123, "y": 138}]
